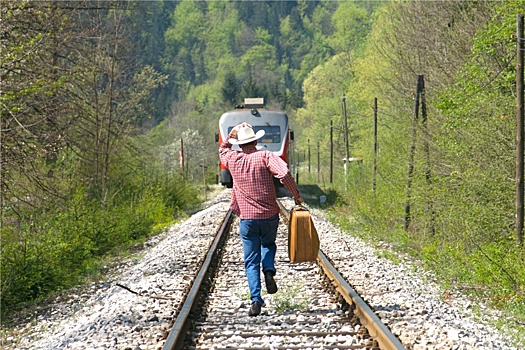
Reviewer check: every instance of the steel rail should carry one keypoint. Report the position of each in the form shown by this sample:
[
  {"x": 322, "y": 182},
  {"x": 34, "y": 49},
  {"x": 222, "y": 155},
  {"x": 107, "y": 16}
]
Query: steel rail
[
  {"x": 377, "y": 330},
  {"x": 175, "y": 339}
]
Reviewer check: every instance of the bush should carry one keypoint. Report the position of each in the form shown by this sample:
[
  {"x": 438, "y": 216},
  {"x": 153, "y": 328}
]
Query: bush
[{"x": 54, "y": 248}]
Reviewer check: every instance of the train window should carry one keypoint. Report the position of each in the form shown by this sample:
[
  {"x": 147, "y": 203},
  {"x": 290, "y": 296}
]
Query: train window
[{"x": 272, "y": 133}]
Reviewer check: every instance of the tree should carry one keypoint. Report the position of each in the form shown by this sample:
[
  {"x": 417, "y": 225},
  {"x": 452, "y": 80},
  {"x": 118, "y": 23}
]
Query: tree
[
  {"x": 73, "y": 93},
  {"x": 220, "y": 39},
  {"x": 260, "y": 60},
  {"x": 250, "y": 88},
  {"x": 35, "y": 105},
  {"x": 351, "y": 24},
  {"x": 231, "y": 89}
]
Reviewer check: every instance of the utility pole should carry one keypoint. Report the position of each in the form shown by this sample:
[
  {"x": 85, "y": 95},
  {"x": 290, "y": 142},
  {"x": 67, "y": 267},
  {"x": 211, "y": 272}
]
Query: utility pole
[
  {"x": 309, "y": 169},
  {"x": 375, "y": 147},
  {"x": 204, "y": 168},
  {"x": 331, "y": 150},
  {"x": 318, "y": 162},
  {"x": 520, "y": 47},
  {"x": 181, "y": 156},
  {"x": 411, "y": 155},
  {"x": 347, "y": 158},
  {"x": 426, "y": 147}
]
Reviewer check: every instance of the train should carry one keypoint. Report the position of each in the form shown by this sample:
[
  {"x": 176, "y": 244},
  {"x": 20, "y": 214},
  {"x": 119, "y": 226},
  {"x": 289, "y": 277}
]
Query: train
[{"x": 277, "y": 133}]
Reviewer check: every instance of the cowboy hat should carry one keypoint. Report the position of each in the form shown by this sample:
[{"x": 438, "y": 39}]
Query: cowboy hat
[{"x": 246, "y": 135}]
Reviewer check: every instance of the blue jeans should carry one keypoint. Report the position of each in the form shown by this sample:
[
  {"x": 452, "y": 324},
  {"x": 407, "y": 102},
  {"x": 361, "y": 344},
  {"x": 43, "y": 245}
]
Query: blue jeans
[{"x": 258, "y": 240}]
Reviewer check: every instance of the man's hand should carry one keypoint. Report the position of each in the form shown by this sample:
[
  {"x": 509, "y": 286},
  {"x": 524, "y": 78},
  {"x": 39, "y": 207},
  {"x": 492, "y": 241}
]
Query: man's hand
[
  {"x": 298, "y": 200},
  {"x": 236, "y": 129}
]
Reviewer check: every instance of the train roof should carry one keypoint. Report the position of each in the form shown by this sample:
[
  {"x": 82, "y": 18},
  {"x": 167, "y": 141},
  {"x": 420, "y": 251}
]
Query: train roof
[{"x": 253, "y": 110}]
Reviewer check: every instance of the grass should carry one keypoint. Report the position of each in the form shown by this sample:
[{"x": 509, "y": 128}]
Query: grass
[{"x": 292, "y": 297}]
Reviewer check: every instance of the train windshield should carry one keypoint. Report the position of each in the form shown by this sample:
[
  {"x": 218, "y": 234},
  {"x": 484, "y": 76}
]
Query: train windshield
[{"x": 272, "y": 133}]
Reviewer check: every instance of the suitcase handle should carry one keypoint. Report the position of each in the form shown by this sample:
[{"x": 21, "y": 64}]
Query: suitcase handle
[{"x": 301, "y": 206}]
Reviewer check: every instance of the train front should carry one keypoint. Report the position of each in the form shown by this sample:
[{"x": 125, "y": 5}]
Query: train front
[{"x": 274, "y": 124}]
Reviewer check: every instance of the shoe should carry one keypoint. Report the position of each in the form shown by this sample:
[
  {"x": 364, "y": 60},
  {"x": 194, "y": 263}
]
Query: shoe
[
  {"x": 255, "y": 309},
  {"x": 271, "y": 286}
]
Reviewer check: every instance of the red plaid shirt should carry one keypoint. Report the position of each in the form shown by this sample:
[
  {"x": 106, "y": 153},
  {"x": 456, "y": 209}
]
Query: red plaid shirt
[{"x": 253, "y": 193}]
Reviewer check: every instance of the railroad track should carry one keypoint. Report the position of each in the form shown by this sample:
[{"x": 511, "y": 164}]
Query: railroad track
[{"x": 313, "y": 309}]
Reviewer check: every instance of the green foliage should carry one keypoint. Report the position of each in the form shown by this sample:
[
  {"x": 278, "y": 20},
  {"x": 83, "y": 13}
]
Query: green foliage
[
  {"x": 351, "y": 24},
  {"x": 230, "y": 90},
  {"x": 179, "y": 196},
  {"x": 291, "y": 297},
  {"x": 56, "y": 248},
  {"x": 260, "y": 59},
  {"x": 187, "y": 26},
  {"x": 63, "y": 240}
]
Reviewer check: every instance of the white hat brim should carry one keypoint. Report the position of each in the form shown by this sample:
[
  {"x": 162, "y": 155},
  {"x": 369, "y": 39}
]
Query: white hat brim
[{"x": 257, "y": 136}]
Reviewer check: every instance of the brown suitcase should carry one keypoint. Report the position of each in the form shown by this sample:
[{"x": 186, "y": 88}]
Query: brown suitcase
[{"x": 303, "y": 241}]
